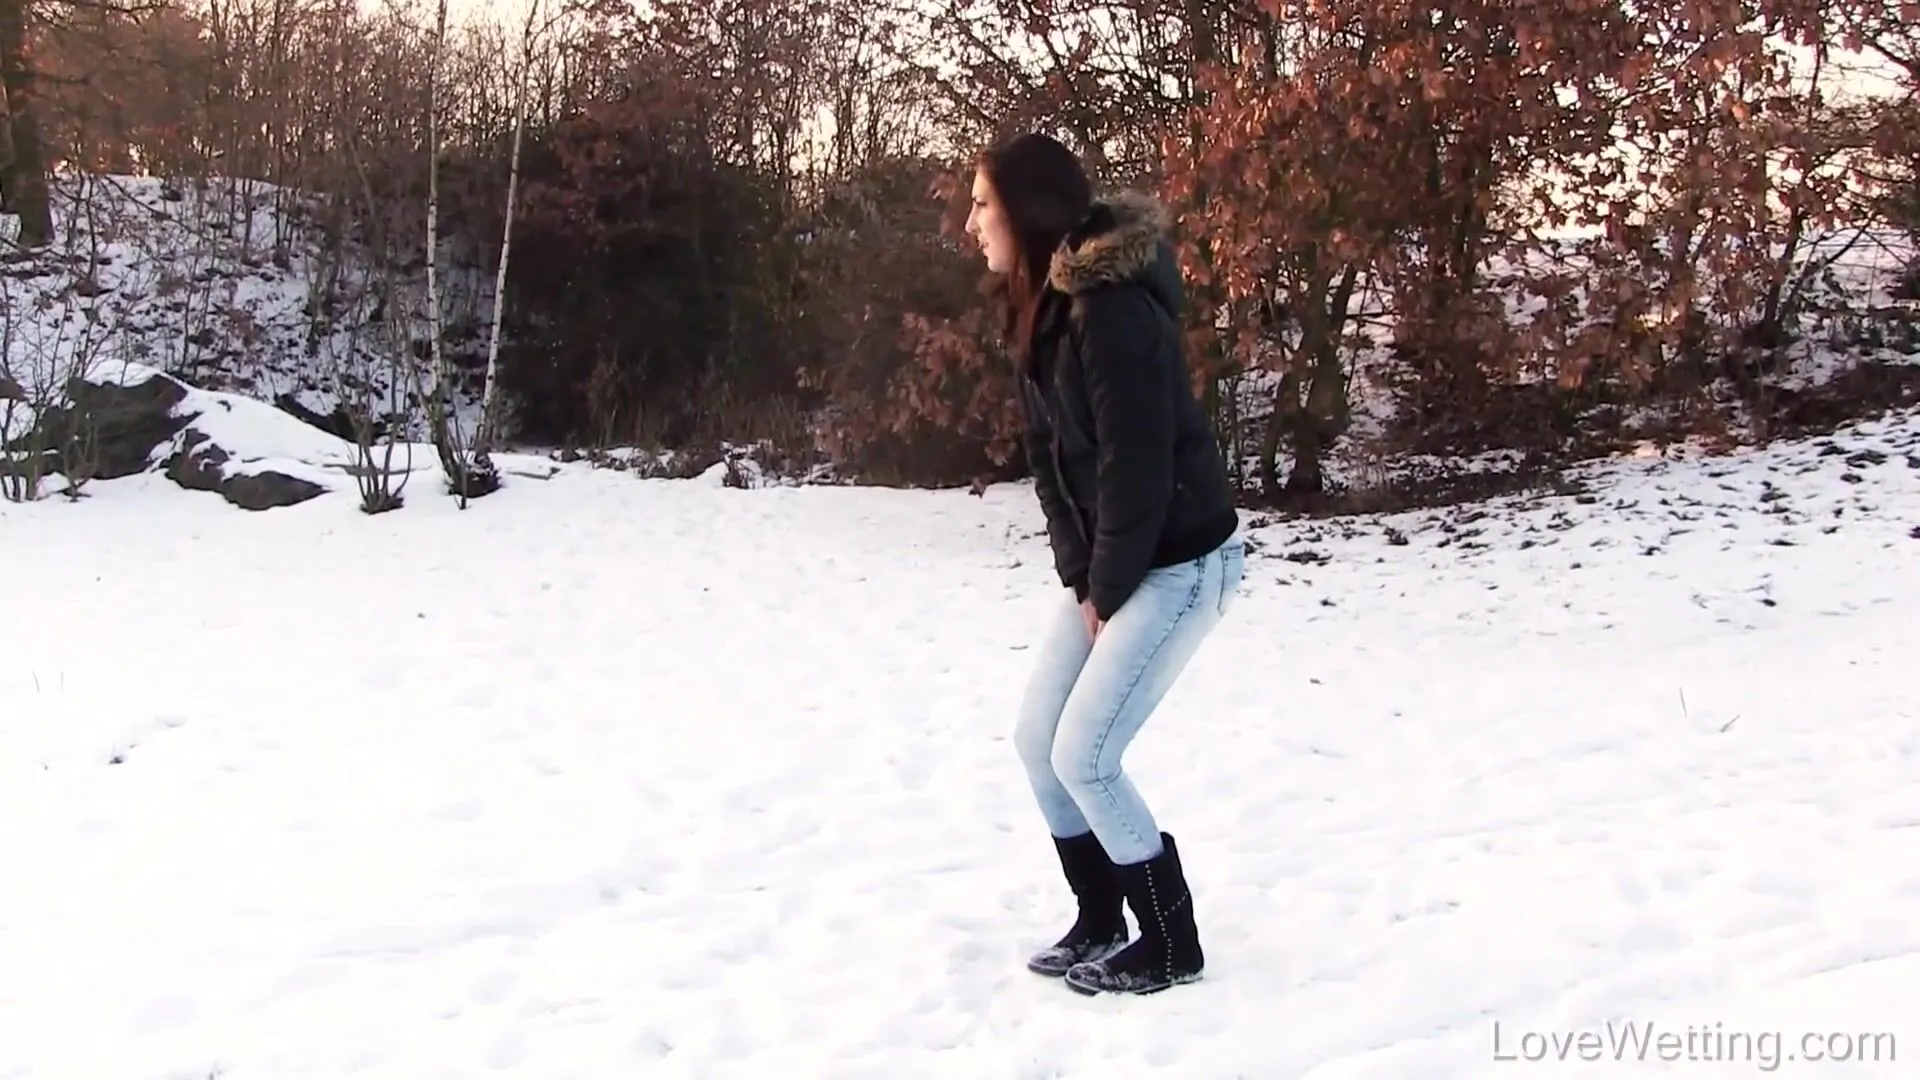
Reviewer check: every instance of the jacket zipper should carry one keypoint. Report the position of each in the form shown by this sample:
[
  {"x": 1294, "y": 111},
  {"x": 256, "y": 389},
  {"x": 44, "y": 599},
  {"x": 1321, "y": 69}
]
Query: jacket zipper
[
  {"x": 1060, "y": 476},
  {"x": 1059, "y": 473}
]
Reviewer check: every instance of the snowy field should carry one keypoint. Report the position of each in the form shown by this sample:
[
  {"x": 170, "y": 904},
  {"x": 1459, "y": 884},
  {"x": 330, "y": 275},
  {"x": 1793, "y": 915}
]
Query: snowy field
[{"x": 609, "y": 778}]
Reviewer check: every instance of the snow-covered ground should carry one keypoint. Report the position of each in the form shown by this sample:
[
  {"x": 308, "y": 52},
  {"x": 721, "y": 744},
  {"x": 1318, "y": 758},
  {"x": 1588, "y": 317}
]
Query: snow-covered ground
[{"x": 610, "y": 778}]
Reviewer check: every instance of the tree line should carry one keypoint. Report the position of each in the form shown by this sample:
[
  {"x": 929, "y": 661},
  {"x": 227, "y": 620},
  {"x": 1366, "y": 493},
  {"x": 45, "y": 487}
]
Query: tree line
[{"x": 1526, "y": 225}]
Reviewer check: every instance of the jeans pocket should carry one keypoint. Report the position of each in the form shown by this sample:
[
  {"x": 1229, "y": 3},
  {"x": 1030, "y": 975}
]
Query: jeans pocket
[{"x": 1233, "y": 567}]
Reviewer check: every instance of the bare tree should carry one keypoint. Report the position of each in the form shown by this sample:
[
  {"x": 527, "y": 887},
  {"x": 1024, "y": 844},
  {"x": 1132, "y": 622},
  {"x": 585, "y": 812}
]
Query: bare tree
[
  {"x": 490, "y": 392},
  {"x": 53, "y": 344}
]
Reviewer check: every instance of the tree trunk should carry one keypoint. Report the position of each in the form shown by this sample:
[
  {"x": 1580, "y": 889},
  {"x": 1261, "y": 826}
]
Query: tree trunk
[
  {"x": 489, "y": 395},
  {"x": 24, "y": 187}
]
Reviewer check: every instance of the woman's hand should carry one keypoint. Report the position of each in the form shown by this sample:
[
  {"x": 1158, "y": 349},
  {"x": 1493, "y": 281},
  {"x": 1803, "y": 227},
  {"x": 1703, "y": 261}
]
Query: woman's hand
[{"x": 1094, "y": 622}]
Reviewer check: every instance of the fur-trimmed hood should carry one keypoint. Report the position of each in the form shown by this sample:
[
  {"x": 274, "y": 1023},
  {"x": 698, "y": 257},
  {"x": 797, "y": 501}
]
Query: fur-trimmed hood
[{"x": 1123, "y": 238}]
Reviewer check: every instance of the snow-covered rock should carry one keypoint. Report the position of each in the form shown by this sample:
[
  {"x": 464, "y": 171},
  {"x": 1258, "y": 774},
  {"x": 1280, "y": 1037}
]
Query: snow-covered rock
[
  {"x": 133, "y": 419},
  {"x": 222, "y": 333}
]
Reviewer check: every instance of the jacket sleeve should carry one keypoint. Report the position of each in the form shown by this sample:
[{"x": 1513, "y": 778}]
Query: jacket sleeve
[
  {"x": 1121, "y": 352},
  {"x": 1063, "y": 534}
]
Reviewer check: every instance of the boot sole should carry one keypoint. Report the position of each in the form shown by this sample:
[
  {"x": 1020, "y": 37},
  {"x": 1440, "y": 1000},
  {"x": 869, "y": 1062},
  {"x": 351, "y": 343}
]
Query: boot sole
[
  {"x": 1086, "y": 990},
  {"x": 1061, "y": 973}
]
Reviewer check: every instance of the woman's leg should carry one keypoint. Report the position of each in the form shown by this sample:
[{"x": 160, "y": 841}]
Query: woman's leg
[
  {"x": 1101, "y": 924},
  {"x": 1063, "y": 653},
  {"x": 1139, "y": 656}
]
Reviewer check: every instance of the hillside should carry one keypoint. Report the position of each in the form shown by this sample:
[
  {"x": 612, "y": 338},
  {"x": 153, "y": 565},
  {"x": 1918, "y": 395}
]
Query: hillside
[{"x": 230, "y": 286}]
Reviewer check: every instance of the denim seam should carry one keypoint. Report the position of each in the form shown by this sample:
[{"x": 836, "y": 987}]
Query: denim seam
[{"x": 1225, "y": 582}]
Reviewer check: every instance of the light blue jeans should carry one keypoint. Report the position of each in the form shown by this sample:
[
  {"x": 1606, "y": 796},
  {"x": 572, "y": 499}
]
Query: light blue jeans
[{"x": 1086, "y": 700}]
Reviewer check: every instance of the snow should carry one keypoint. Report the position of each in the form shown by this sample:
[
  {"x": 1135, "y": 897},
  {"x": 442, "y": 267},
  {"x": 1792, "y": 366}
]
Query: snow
[
  {"x": 219, "y": 283},
  {"x": 259, "y": 437},
  {"x": 611, "y": 778}
]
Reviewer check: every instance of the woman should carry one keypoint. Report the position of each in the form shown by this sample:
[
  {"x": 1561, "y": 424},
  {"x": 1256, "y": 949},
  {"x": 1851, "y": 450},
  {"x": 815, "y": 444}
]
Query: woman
[{"x": 1141, "y": 519}]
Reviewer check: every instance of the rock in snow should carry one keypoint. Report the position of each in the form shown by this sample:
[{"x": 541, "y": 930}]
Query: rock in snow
[
  {"x": 200, "y": 465},
  {"x": 137, "y": 420}
]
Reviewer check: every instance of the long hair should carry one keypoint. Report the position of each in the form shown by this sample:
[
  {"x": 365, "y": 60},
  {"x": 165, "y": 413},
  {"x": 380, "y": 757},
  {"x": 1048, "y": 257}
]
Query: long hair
[{"x": 1045, "y": 193}]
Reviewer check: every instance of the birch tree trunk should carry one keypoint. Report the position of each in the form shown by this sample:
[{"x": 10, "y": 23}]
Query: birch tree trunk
[
  {"x": 466, "y": 478},
  {"x": 489, "y": 396}
]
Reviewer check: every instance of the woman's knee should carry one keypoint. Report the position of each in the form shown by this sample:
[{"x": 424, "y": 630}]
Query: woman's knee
[
  {"x": 1077, "y": 762},
  {"x": 1033, "y": 740}
]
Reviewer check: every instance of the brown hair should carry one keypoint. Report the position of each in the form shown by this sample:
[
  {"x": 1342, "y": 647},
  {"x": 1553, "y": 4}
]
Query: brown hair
[{"x": 1045, "y": 194}]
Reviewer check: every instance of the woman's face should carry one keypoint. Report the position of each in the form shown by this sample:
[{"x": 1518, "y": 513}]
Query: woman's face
[{"x": 987, "y": 224}]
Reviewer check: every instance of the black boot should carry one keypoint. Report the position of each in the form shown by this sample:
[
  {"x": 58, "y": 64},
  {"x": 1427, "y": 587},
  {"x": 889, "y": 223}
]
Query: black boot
[
  {"x": 1168, "y": 951},
  {"x": 1102, "y": 925}
]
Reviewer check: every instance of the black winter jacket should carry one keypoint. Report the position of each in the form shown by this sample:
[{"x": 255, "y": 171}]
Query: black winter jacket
[{"x": 1125, "y": 465}]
